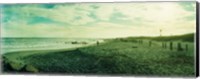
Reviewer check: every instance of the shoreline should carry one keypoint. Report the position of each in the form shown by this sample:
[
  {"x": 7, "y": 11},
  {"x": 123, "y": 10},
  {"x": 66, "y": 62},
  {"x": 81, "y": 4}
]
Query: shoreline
[{"x": 50, "y": 49}]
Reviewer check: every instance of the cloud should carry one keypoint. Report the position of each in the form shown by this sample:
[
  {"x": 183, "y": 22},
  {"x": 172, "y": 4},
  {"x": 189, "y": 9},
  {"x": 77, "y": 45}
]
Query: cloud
[
  {"x": 97, "y": 19},
  {"x": 189, "y": 6}
]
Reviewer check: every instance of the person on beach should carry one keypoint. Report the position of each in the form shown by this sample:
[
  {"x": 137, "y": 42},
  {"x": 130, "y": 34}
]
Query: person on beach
[{"x": 97, "y": 43}]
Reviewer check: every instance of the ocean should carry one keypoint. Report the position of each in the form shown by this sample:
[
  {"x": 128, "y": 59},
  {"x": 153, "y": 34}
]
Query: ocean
[{"x": 24, "y": 44}]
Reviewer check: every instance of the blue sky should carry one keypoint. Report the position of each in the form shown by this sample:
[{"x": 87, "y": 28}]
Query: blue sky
[{"x": 97, "y": 20}]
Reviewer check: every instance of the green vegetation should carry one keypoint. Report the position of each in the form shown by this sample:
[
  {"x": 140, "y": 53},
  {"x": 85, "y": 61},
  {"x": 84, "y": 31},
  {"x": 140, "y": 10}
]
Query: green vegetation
[
  {"x": 125, "y": 56},
  {"x": 187, "y": 37}
]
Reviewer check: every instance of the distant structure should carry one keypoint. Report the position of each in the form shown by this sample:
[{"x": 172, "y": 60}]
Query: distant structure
[{"x": 160, "y": 32}]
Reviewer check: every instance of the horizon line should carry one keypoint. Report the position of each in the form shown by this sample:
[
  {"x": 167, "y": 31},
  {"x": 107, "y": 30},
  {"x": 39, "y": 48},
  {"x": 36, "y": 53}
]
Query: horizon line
[{"x": 105, "y": 37}]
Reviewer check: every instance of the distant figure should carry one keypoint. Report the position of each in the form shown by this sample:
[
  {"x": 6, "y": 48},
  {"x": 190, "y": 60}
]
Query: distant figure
[{"x": 97, "y": 43}]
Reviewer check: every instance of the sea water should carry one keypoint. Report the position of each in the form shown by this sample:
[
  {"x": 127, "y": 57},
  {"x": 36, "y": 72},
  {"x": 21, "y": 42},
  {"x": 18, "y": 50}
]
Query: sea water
[{"x": 24, "y": 44}]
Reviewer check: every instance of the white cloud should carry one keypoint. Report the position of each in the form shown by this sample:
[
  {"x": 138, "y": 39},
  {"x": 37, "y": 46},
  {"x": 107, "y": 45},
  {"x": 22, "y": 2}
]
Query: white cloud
[{"x": 140, "y": 19}]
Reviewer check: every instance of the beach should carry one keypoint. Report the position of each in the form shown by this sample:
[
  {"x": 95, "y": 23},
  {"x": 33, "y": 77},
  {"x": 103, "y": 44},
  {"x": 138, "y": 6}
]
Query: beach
[{"x": 130, "y": 56}]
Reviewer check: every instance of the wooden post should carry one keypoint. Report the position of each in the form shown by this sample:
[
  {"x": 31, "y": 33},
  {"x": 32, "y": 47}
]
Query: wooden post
[
  {"x": 150, "y": 42},
  {"x": 186, "y": 47},
  {"x": 179, "y": 48},
  {"x": 164, "y": 45},
  {"x": 171, "y": 45},
  {"x": 139, "y": 41}
]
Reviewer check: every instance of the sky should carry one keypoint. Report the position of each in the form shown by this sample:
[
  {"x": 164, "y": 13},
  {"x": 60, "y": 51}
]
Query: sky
[{"x": 98, "y": 20}]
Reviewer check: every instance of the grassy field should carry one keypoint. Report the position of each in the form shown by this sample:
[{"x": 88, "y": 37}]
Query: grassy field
[{"x": 124, "y": 56}]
